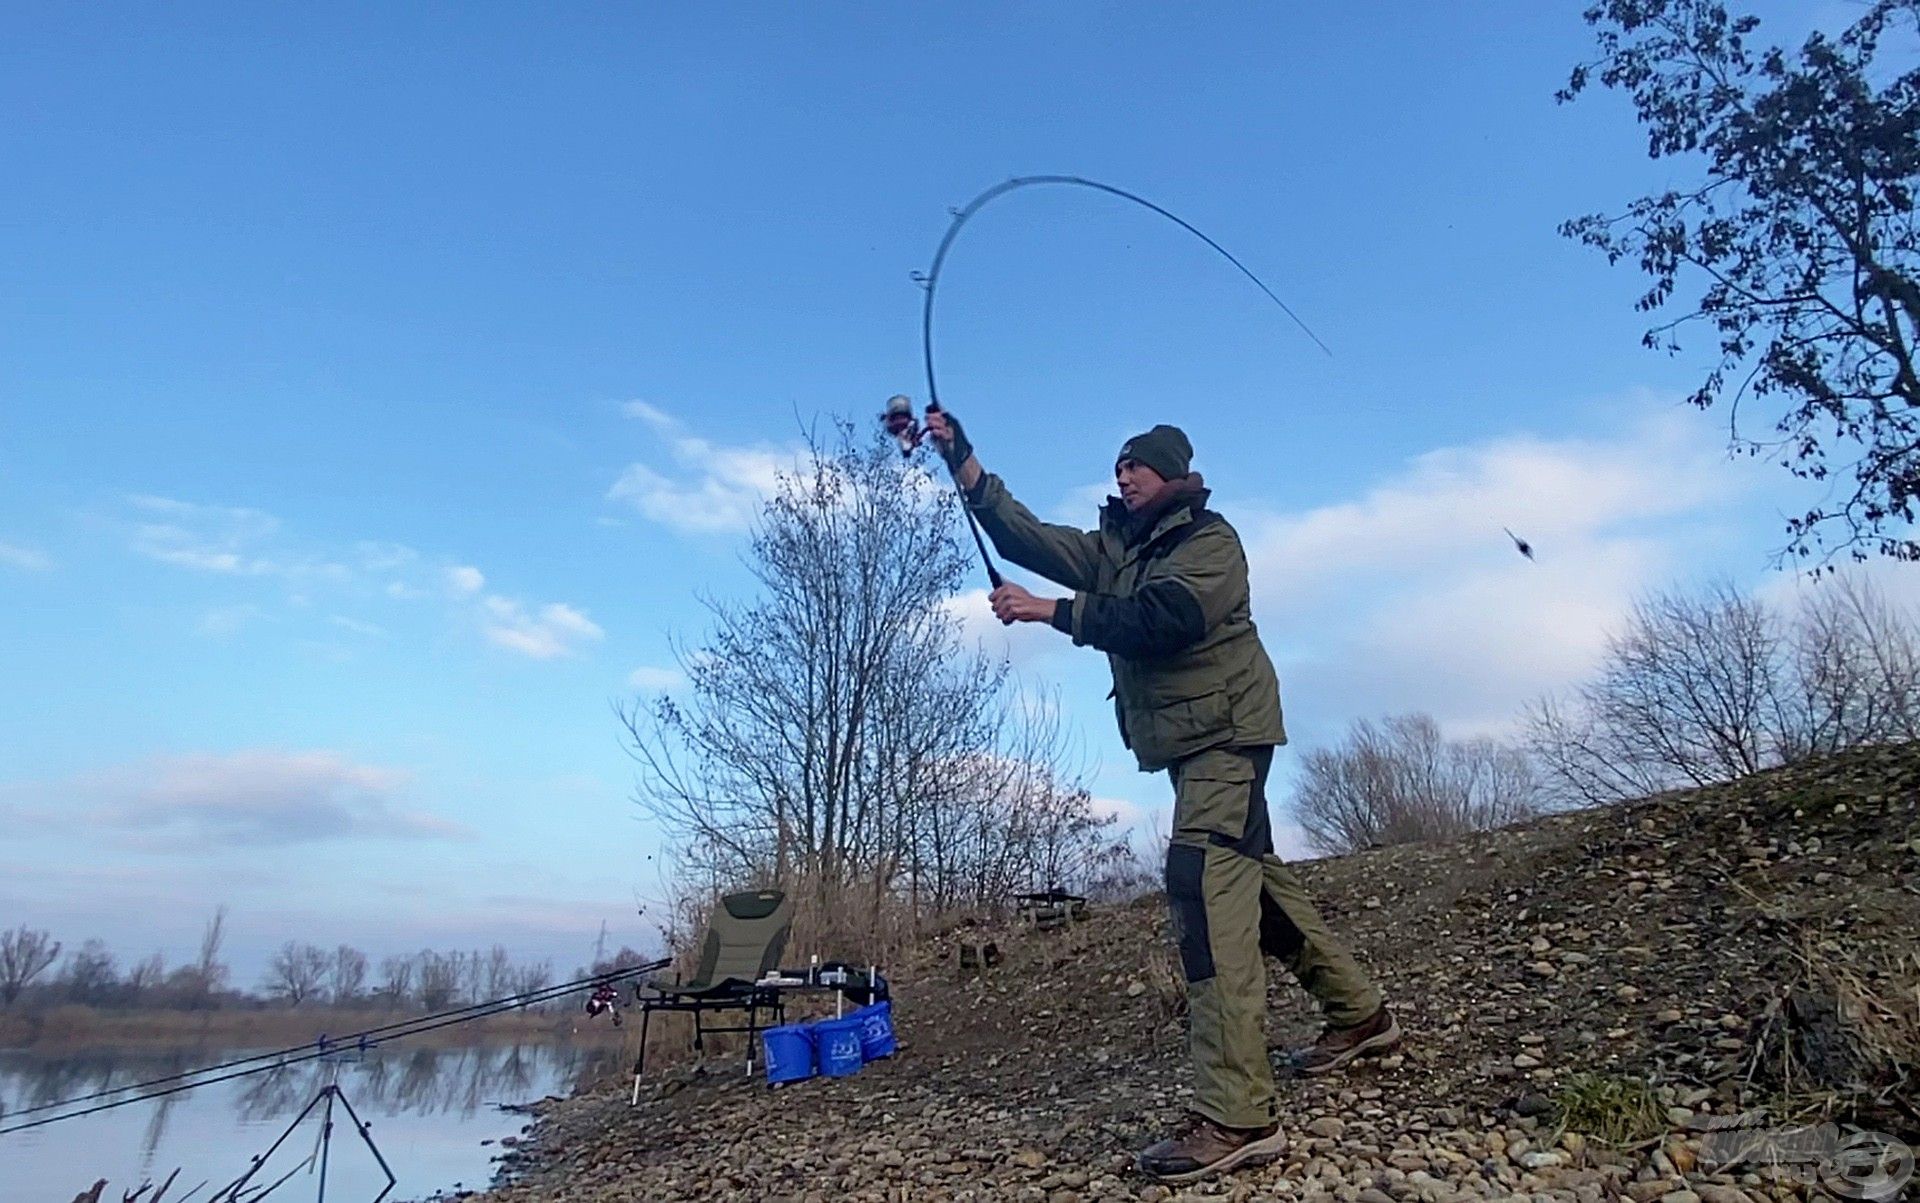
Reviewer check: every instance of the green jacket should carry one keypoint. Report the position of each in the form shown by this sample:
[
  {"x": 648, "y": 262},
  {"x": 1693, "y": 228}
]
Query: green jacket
[{"x": 1169, "y": 605}]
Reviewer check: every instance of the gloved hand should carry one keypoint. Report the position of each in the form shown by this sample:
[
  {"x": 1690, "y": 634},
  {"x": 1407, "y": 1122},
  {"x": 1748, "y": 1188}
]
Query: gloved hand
[{"x": 948, "y": 438}]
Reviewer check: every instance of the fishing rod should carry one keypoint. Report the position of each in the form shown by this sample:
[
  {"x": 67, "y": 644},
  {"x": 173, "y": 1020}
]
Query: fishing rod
[
  {"x": 898, "y": 417},
  {"x": 324, "y": 1047}
]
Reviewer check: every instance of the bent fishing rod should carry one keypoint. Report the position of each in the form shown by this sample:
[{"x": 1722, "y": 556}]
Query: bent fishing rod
[{"x": 899, "y": 419}]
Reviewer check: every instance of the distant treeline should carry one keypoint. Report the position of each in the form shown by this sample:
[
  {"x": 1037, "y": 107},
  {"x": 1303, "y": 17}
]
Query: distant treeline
[{"x": 38, "y": 971}]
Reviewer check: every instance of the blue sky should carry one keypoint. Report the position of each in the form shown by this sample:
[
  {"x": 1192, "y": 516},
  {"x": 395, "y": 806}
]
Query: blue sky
[{"x": 378, "y": 386}]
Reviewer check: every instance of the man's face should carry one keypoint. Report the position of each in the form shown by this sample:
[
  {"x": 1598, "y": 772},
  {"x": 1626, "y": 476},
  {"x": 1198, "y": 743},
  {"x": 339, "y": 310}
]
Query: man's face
[{"x": 1137, "y": 483}]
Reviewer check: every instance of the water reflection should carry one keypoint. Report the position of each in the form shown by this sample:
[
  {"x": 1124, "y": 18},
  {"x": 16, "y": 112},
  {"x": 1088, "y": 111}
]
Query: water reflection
[
  {"x": 396, "y": 1081},
  {"x": 438, "y": 1106}
]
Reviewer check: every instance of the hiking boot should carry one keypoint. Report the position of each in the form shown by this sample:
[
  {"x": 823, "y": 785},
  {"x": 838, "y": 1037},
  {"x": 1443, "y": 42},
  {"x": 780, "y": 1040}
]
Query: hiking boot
[
  {"x": 1337, "y": 1046},
  {"x": 1201, "y": 1147}
]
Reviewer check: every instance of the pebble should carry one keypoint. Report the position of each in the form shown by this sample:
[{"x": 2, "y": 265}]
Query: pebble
[{"x": 1482, "y": 961}]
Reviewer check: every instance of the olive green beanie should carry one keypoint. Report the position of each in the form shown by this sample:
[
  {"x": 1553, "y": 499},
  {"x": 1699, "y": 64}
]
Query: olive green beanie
[{"x": 1165, "y": 449}]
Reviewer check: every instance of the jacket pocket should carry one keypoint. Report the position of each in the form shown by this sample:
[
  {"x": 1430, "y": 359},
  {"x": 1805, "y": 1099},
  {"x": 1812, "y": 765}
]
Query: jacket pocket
[{"x": 1167, "y": 731}]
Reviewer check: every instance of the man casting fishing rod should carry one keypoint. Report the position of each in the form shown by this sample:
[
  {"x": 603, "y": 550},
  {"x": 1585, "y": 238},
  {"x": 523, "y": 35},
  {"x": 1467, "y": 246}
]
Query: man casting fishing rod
[{"x": 1161, "y": 587}]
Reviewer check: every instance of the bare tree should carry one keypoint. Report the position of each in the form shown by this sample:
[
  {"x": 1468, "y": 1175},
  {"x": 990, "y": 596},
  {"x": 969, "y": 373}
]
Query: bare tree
[
  {"x": 1401, "y": 781},
  {"x": 1852, "y": 671},
  {"x": 500, "y": 972},
  {"x": 25, "y": 953},
  {"x": 90, "y": 976},
  {"x": 531, "y": 978},
  {"x": 346, "y": 975},
  {"x": 439, "y": 976},
  {"x": 295, "y": 972},
  {"x": 208, "y": 972},
  {"x": 1710, "y": 686},
  {"x": 144, "y": 978},
  {"x": 396, "y": 979}
]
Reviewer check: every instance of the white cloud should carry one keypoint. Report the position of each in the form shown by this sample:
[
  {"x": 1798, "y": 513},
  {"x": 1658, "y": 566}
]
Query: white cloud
[
  {"x": 650, "y": 678},
  {"x": 716, "y": 490},
  {"x": 26, "y": 559},
  {"x": 222, "y": 621},
  {"x": 465, "y": 580},
  {"x": 1124, "y": 812},
  {"x": 377, "y": 556},
  {"x": 1450, "y": 504},
  {"x": 555, "y": 630},
  {"x": 1412, "y": 598},
  {"x": 239, "y": 541},
  {"x": 652, "y": 415},
  {"x": 248, "y": 799},
  {"x": 358, "y": 627},
  {"x": 1021, "y": 644},
  {"x": 209, "y": 538},
  {"x": 1082, "y": 505}
]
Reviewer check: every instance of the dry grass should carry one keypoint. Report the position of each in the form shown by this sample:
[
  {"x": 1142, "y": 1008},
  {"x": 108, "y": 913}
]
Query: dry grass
[{"x": 1841, "y": 1035}]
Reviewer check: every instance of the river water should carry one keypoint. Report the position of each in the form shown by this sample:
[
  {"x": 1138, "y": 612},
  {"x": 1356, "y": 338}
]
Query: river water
[{"x": 428, "y": 1111}]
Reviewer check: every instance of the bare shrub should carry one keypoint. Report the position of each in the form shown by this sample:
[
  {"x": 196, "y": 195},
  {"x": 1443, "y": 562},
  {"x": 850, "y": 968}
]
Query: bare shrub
[
  {"x": 1709, "y": 686},
  {"x": 1400, "y": 781}
]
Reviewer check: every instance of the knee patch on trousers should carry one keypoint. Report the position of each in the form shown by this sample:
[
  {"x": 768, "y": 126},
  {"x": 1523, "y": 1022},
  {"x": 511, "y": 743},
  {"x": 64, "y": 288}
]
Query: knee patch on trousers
[
  {"x": 1187, "y": 900},
  {"x": 1279, "y": 935}
]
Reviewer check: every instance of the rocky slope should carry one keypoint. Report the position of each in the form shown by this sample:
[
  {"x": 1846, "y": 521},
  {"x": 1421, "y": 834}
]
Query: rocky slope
[{"x": 1629, "y": 973}]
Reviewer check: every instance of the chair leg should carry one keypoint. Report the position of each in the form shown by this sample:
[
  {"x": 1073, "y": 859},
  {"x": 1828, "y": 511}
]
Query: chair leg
[
  {"x": 640, "y": 1062},
  {"x": 753, "y": 1034}
]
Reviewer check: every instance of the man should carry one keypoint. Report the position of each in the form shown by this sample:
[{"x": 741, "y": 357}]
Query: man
[{"x": 1161, "y": 587}]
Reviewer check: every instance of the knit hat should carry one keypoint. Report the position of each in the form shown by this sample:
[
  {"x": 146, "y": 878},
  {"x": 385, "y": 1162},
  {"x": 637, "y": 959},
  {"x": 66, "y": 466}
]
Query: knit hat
[{"x": 1165, "y": 449}]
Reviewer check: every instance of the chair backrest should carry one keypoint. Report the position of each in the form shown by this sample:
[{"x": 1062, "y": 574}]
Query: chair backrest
[{"x": 745, "y": 936}]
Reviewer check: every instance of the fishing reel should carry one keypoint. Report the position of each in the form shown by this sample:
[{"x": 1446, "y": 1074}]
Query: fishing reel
[
  {"x": 900, "y": 421},
  {"x": 605, "y": 1000}
]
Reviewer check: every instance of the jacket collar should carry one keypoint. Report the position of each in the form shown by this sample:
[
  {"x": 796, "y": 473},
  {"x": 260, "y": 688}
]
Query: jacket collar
[{"x": 1173, "y": 506}]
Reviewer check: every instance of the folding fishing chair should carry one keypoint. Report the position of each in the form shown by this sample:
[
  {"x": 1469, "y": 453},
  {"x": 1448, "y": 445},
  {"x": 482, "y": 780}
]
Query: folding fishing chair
[{"x": 742, "y": 945}]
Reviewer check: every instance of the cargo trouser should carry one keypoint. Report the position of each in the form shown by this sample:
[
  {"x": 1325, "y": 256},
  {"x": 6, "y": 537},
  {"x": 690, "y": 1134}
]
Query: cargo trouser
[{"x": 1232, "y": 900}]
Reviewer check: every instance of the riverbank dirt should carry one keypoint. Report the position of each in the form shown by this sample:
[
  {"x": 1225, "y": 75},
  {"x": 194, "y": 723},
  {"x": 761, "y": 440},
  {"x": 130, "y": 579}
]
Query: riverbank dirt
[{"x": 1656, "y": 953}]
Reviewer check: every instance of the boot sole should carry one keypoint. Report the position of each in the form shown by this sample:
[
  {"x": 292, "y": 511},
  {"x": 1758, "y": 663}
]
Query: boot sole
[
  {"x": 1254, "y": 1151},
  {"x": 1371, "y": 1046}
]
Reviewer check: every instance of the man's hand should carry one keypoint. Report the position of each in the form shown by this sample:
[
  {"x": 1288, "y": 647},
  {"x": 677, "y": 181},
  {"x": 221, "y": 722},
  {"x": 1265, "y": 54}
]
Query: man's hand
[
  {"x": 1013, "y": 604},
  {"x": 951, "y": 442}
]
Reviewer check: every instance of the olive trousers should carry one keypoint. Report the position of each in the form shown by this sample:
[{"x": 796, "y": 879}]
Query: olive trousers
[{"x": 1233, "y": 900}]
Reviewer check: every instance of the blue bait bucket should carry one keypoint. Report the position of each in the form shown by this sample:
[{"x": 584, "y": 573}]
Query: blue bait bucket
[
  {"x": 789, "y": 1053},
  {"x": 876, "y": 1030},
  {"x": 837, "y": 1046}
]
